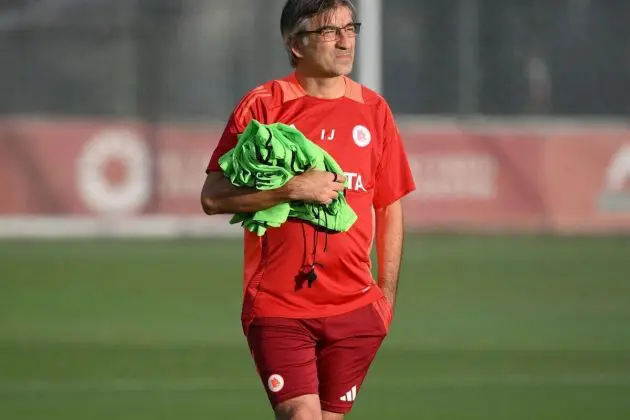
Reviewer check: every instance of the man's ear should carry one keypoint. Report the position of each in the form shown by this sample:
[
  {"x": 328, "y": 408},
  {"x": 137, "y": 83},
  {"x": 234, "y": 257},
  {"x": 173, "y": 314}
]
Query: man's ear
[{"x": 297, "y": 46}]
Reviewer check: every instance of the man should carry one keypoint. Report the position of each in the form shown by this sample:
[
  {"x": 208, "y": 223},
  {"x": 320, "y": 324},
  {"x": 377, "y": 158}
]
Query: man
[{"x": 313, "y": 342}]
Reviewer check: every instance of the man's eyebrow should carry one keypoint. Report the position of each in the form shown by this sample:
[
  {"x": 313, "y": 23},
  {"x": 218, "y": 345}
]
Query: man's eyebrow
[{"x": 334, "y": 26}]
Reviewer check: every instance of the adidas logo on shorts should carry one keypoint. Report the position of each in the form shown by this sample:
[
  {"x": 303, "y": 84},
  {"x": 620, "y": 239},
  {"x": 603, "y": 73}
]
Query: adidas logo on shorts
[{"x": 350, "y": 395}]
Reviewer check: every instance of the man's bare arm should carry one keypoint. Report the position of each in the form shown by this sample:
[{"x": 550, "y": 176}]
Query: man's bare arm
[
  {"x": 389, "y": 244},
  {"x": 220, "y": 196}
]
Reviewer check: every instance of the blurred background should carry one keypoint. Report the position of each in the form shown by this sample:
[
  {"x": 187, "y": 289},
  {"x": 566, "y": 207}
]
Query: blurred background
[{"x": 119, "y": 298}]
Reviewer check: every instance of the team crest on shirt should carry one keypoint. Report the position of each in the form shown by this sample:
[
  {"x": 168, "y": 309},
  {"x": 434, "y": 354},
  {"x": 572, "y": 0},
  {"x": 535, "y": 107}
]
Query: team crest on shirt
[
  {"x": 361, "y": 136},
  {"x": 275, "y": 383}
]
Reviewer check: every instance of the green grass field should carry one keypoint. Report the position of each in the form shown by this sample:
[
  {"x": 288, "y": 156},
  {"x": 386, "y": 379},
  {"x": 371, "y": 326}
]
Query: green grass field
[{"x": 486, "y": 328}]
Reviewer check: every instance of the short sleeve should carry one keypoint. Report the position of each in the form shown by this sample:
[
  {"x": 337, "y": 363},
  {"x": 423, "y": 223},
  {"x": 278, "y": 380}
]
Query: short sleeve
[
  {"x": 228, "y": 141},
  {"x": 394, "y": 178},
  {"x": 250, "y": 107}
]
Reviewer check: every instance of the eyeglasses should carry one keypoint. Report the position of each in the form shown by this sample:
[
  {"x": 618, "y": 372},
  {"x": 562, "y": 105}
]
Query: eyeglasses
[{"x": 333, "y": 33}]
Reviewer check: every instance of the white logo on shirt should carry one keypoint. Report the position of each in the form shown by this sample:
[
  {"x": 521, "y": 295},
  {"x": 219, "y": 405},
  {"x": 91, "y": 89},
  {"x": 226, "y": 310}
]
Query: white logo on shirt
[
  {"x": 354, "y": 182},
  {"x": 361, "y": 136}
]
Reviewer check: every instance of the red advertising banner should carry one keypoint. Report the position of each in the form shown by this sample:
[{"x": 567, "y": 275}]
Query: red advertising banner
[
  {"x": 588, "y": 181},
  {"x": 469, "y": 178},
  {"x": 476, "y": 180},
  {"x": 83, "y": 168}
]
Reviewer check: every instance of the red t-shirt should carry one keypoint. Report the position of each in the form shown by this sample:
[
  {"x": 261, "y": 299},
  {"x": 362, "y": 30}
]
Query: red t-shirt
[{"x": 359, "y": 132}]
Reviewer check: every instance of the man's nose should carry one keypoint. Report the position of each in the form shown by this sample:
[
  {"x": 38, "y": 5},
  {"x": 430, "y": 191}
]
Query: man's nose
[{"x": 344, "y": 41}]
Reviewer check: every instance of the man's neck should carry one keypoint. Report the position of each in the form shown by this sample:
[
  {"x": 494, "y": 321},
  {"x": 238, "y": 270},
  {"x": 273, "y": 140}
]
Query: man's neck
[{"x": 322, "y": 87}]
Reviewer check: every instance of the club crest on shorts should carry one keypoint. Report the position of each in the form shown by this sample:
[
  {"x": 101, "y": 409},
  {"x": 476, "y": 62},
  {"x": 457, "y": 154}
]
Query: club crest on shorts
[
  {"x": 361, "y": 136},
  {"x": 275, "y": 383}
]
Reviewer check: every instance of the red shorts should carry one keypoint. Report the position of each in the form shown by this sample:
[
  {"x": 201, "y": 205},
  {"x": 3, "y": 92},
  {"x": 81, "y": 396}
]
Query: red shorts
[{"x": 325, "y": 356}]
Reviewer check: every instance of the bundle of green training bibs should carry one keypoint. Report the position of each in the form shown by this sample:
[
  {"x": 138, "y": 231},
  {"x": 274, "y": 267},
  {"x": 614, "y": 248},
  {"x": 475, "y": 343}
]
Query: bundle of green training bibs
[{"x": 266, "y": 157}]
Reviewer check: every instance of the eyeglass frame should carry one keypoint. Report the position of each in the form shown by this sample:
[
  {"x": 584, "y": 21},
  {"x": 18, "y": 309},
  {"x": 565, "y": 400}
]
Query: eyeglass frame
[{"x": 337, "y": 29}]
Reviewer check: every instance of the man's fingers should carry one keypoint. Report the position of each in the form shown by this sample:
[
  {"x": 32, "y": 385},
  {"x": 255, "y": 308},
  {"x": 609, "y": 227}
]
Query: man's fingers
[{"x": 340, "y": 178}]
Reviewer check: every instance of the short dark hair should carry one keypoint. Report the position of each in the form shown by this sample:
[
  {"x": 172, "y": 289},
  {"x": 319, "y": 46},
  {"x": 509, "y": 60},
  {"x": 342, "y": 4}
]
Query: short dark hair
[{"x": 296, "y": 13}]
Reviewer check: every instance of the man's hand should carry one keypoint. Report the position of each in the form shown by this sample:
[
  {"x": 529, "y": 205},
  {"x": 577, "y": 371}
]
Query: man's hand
[{"x": 316, "y": 186}]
